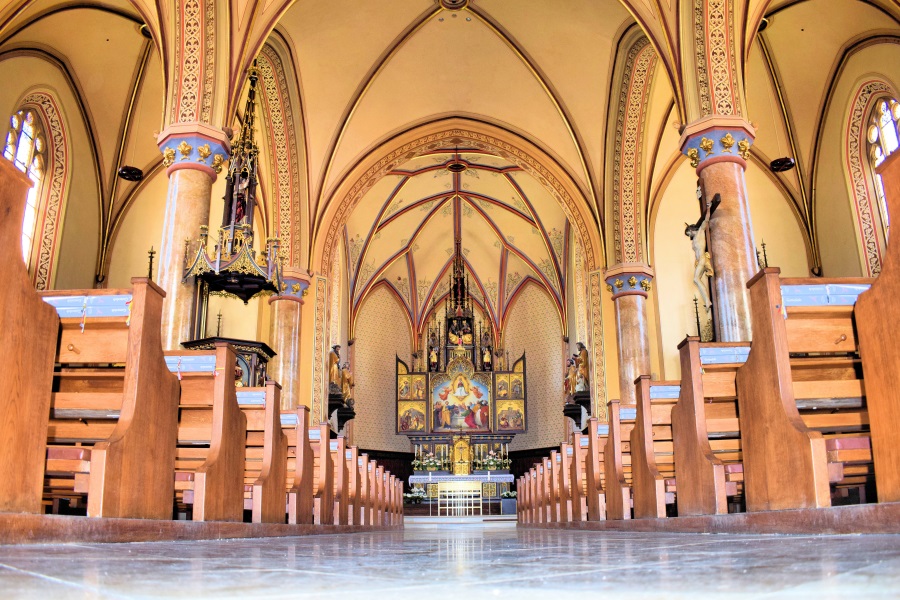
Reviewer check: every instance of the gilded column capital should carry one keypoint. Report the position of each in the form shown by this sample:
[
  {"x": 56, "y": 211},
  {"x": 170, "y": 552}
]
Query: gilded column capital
[
  {"x": 194, "y": 146},
  {"x": 716, "y": 139},
  {"x": 294, "y": 286},
  {"x": 628, "y": 279}
]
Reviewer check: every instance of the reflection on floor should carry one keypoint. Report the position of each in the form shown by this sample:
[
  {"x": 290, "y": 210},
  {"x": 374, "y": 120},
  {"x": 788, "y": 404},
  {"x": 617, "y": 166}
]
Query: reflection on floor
[{"x": 463, "y": 561}]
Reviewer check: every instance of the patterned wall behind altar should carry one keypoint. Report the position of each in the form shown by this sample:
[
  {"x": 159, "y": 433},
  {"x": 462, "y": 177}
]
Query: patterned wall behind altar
[
  {"x": 534, "y": 327},
  {"x": 382, "y": 331}
]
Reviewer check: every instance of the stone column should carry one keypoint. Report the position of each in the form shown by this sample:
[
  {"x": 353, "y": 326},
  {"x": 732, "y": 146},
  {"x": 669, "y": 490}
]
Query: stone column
[
  {"x": 284, "y": 334},
  {"x": 630, "y": 284},
  {"x": 193, "y": 154},
  {"x": 718, "y": 147}
]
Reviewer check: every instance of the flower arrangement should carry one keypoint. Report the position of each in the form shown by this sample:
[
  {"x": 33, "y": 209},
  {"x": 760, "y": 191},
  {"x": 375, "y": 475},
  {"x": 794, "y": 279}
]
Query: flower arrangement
[
  {"x": 429, "y": 462},
  {"x": 415, "y": 496},
  {"x": 511, "y": 494},
  {"x": 493, "y": 462}
]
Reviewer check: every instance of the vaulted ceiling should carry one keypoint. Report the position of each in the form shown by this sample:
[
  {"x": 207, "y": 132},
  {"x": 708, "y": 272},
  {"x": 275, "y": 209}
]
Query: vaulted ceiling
[
  {"x": 402, "y": 233},
  {"x": 367, "y": 71}
]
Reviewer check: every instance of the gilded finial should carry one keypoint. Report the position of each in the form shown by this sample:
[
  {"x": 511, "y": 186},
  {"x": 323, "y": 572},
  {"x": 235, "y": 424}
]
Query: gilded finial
[
  {"x": 168, "y": 157},
  {"x": 694, "y": 155},
  {"x": 185, "y": 149},
  {"x": 706, "y": 145}
]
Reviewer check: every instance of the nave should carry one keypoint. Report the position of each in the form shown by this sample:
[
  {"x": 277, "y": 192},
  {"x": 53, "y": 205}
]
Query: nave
[{"x": 479, "y": 560}]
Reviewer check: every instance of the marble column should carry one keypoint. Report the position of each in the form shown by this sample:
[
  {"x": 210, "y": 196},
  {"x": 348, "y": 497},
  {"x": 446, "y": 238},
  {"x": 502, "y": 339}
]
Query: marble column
[
  {"x": 719, "y": 147},
  {"x": 630, "y": 284},
  {"x": 284, "y": 333},
  {"x": 193, "y": 154}
]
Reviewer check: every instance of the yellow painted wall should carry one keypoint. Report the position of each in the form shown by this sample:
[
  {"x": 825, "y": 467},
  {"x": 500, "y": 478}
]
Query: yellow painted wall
[
  {"x": 78, "y": 238},
  {"x": 382, "y": 333},
  {"x": 533, "y": 327},
  {"x": 840, "y": 250}
]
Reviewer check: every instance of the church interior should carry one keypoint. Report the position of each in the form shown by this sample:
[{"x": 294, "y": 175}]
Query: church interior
[{"x": 530, "y": 297}]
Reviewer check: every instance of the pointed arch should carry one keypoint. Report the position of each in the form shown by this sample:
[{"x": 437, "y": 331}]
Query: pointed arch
[
  {"x": 860, "y": 184},
  {"x": 54, "y": 186}
]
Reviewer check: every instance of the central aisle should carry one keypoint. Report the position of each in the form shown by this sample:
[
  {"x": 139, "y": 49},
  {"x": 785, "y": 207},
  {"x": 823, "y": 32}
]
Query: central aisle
[{"x": 468, "y": 561}]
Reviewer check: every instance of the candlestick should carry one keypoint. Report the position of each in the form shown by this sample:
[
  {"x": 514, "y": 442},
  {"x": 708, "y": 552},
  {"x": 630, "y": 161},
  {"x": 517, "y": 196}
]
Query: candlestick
[{"x": 151, "y": 254}]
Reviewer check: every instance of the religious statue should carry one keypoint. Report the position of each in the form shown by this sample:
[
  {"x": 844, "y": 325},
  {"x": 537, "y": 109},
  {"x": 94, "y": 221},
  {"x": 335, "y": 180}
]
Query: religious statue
[
  {"x": 433, "y": 358},
  {"x": 347, "y": 383},
  {"x": 486, "y": 358},
  {"x": 702, "y": 265},
  {"x": 486, "y": 344},
  {"x": 582, "y": 361},
  {"x": 334, "y": 369},
  {"x": 570, "y": 377}
]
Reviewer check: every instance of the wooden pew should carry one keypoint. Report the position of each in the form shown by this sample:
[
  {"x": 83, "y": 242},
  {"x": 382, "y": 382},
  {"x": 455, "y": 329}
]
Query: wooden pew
[
  {"x": 365, "y": 495},
  {"x": 379, "y": 496},
  {"x": 700, "y": 472},
  {"x": 530, "y": 506},
  {"x": 268, "y": 502},
  {"x": 879, "y": 348},
  {"x": 616, "y": 460},
  {"x": 563, "y": 481},
  {"x": 578, "y": 477},
  {"x": 652, "y": 460},
  {"x": 212, "y": 434},
  {"x": 30, "y": 328},
  {"x": 353, "y": 486},
  {"x": 139, "y": 403},
  {"x": 300, "y": 480},
  {"x": 593, "y": 466},
  {"x": 341, "y": 480},
  {"x": 522, "y": 499},
  {"x": 323, "y": 480},
  {"x": 552, "y": 478},
  {"x": 545, "y": 476},
  {"x": 785, "y": 461}
]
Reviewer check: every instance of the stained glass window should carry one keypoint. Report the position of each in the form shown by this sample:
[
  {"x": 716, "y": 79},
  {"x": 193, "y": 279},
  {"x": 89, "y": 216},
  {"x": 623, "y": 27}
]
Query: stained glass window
[
  {"x": 882, "y": 135},
  {"x": 25, "y": 147}
]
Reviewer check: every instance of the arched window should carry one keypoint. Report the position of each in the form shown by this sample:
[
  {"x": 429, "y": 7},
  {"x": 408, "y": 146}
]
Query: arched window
[
  {"x": 883, "y": 138},
  {"x": 25, "y": 147}
]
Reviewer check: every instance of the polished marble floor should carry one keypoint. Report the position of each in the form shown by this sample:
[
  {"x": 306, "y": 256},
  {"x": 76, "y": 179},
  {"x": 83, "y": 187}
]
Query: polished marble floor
[{"x": 466, "y": 562}]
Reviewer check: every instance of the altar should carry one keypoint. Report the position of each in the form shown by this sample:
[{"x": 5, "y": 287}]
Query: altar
[
  {"x": 460, "y": 403},
  {"x": 462, "y": 495}
]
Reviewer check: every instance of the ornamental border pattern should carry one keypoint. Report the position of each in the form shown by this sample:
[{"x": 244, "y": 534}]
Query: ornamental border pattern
[
  {"x": 580, "y": 303},
  {"x": 177, "y": 66},
  {"x": 856, "y": 168},
  {"x": 282, "y": 145},
  {"x": 52, "y": 198},
  {"x": 335, "y": 311},
  {"x": 189, "y": 96},
  {"x": 599, "y": 368},
  {"x": 718, "y": 28},
  {"x": 319, "y": 351},
  {"x": 700, "y": 57},
  {"x": 633, "y": 100},
  {"x": 209, "y": 61},
  {"x": 447, "y": 139}
]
